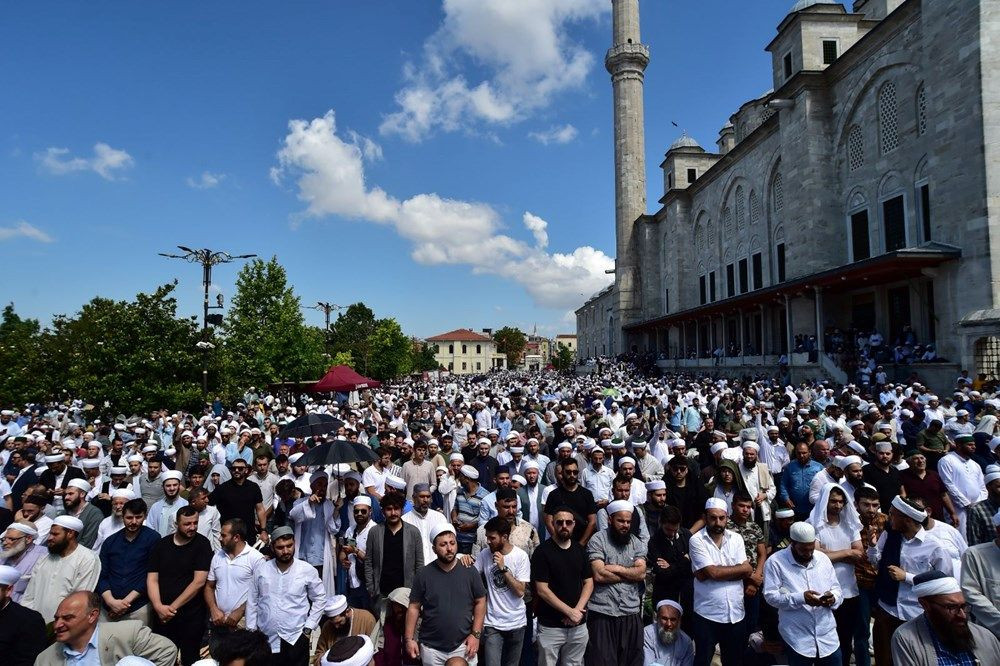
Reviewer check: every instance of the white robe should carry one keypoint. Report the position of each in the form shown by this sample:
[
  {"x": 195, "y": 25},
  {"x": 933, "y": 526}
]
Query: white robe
[
  {"x": 303, "y": 511},
  {"x": 54, "y": 577}
]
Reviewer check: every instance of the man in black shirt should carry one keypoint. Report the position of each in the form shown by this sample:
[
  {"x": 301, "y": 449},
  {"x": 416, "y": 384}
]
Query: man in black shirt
[
  {"x": 563, "y": 582},
  {"x": 688, "y": 495},
  {"x": 239, "y": 498},
  {"x": 670, "y": 562},
  {"x": 178, "y": 569},
  {"x": 882, "y": 475},
  {"x": 572, "y": 495}
]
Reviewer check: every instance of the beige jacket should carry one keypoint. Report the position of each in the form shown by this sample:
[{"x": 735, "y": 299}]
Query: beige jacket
[{"x": 117, "y": 640}]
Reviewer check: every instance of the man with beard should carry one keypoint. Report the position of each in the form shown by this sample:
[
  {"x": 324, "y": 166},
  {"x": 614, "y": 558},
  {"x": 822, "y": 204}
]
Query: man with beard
[
  {"x": 838, "y": 536},
  {"x": 882, "y": 474},
  {"x": 124, "y": 556},
  {"x": 796, "y": 479},
  {"x": 485, "y": 463},
  {"x": 468, "y": 504},
  {"x": 394, "y": 551},
  {"x": 116, "y": 481},
  {"x": 450, "y": 601},
  {"x": 149, "y": 486},
  {"x": 801, "y": 583},
  {"x": 670, "y": 561},
  {"x": 685, "y": 493},
  {"x": 719, "y": 562},
  {"x": 18, "y": 549},
  {"x": 424, "y": 518},
  {"x": 75, "y": 504},
  {"x": 229, "y": 578},
  {"x": 352, "y": 552},
  {"x": 853, "y": 476},
  {"x": 760, "y": 485},
  {"x": 614, "y": 620},
  {"x": 114, "y": 522},
  {"x": 621, "y": 488},
  {"x": 315, "y": 522},
  {"x": 56, "y": 477},
  {"x": 285, "y": 601},
  {"x": 22, "y": 630},
  {"x": 239, "y": 498},
  {"x": 340, "y": 622},
  {"x": 979, "y": 567},
  {"x": 920, "y": 481},
  {"x": 663, "y": 641},
  {"x": 68, "y": 566},
  {"x": 164, "y": 509},
  {"x": 963, "y": 477},
  {"x": 571, "y": 494},
  {"x": 507, "y": 571},
  {"x": 942, "y": 634},
  {"x": 530, "y": 495}
]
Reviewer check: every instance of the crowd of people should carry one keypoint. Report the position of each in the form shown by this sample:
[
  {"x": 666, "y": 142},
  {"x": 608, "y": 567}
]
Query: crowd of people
[{"x": 618, "y": 517}]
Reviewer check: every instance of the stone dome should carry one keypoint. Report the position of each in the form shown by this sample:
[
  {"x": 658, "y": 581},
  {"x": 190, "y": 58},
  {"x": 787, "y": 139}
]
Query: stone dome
[
  {"x": 684, "y": 141},
  {"x": 806, "y": 4}
]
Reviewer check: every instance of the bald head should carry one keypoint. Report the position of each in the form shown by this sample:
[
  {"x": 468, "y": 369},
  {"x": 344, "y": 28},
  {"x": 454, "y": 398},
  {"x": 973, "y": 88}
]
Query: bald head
[{"x": 76, "y": 618}]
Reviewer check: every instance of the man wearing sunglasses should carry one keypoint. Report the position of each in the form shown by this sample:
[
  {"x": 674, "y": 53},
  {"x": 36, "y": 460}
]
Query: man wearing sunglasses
[{"x": 352, "y": 552}]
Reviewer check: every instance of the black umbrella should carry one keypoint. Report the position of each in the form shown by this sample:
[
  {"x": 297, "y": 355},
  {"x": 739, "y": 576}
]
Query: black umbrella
[
  {"x": 336, "y": 452},
  {"x": 311, "y": 425}
]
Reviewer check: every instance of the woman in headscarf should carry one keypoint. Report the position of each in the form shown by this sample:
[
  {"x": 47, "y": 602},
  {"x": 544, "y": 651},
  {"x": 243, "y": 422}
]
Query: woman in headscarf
[{"x": 218, "y": 475}]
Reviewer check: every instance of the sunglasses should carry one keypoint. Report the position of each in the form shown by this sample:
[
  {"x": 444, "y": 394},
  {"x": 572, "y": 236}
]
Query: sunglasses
[{"x": 565, "y": 522}]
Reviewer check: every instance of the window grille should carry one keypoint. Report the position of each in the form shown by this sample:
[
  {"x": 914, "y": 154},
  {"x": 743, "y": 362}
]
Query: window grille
[
  {"x": 741, "y": 220},
  {"x": 727, "y": 214},
  {"x": 779, "y": 195},
  {"x": 855, "y": 149},
  {"x": 921, "y": 111},
  {"x": 754, "y": 208},
  {"x": 888, "y": 117}
]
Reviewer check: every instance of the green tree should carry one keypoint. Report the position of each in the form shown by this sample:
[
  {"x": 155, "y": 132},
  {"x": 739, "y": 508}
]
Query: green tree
[
  {"x": 21, "y": 343},
  {"x": 351, "y": 334},
  {"x": 424, "y": 356},
  {"x": 510, "y": 342},
  {"x": 563, "y": 359},
  {"x": 266, "y": 339},
  {"x": 391, "y": 351}
]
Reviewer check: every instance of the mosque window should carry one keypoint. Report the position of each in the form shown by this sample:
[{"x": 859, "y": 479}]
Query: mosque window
[
  {"x": 479, "y": 349},
  {"x": 888, "y": 117},
  {"x": 894, "y": 223},
  {"x": 758, "y": 270},
  {"x": 731, "y": 280},
  {"x": 924, "y": 192},
  {"x": 741, "y": 220},
  {"x": 711, "y": 286},
  {"x": 451, "y": 349},
  {"x": 754, "y": 208},
  {"x": 743, "y": 276},
  {"x": 727, "y": 214},
  {"x": 702, "y": 292},
  {"x": 692, "y": 175},
  {"x": 860, "y": 242},
  {"x": 670, "y": 180},
  {"x": 699, "y": 241},
  {"x": 779, "y": 195},
  {"x": 465, "y": 350},
  {"x": 921, "y": 111},
  {"x": 787, "y": 63},
  {"x": 780, "y": 251},
  {"x": 829, "y": 51},
  {"x": 666, "y": 301},
  {"x": 855, "y": 149}
]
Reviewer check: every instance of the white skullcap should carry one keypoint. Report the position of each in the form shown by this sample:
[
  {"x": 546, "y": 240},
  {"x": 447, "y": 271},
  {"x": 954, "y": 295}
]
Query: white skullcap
[
  {"x": 672, "y": 604},
  {"x": 883, "y": 446},
  {"x": 531, "y": 464},
  {"x": 79, "y": 484},
  {"x": 802, "y": 532},
  {"x": 54, "y": 458},
  {"x": 847, "y": 461},
  {"x": 317, "y": 475},
  {"x": 784, "y": 513},
  {"x": 620, "y": 505},
  {"x": 773, "y": 428},
  {"x": 90, "y": 463},
  {"x": 855, "y": 423},
  {"x": 363, "y": 656},
  {"x": 395, "y": 482},
  {"x": 172, "y": 474},
  {"x": 751, "y": 445},
  {"x": 749, "y": 434},
  {"x": 520, "y": 479},
  {"x": 905, "y": 508},
  {"x": 617, "y": 444},
  {"x": 853, "y": 445},
  {"x": 123, "y": 492},
  {"x": 718, "y": 446},
  {"x": 456, "y": 456},
  {"x": 335, "y": 605},
  {"x": 656, "y": 485},
  {"x": 483, "y": 440},
  {"x": 440, "y": 529},
  {"x": 716, "y": 503},
  {"x": 294, "y": 458},
  {"x": 626, "y": 459},
  {"x": 933, "y": 583},
  {"x": 9, "y": 575},
  {"x": 639, "y": 445},
  {"x": 962, "y": 412},
  {"x": 362, "y": 500},
  {"x": 593, "y": 449},
  {"x": 469, "y": 472},
  {"x": 69, "y": 523},
  {"x": 135, "y": 457},
  {"x": 150, "y": 448},
  {"x": 992, "y": 476},
  {"x": 568, "y": 446},
  {"x": 517, "y": 449},
  {"x": 170, "y": 452},
  {"x": 27, "y": 530}
]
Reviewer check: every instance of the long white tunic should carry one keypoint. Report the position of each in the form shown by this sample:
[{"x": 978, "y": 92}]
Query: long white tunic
[{"x": 54, "y": 577}]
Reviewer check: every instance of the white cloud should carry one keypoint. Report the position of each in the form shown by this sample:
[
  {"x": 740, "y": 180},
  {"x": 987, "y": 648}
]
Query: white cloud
[
  {"x": 329, "y": 173},
  {"x": 22, "y": 229},
  {"x": 555, "y": 134},
  {"x": 523, "y": 46},
  {"x": 206, "y": 181},
  {"x": 105, "y": 162}
]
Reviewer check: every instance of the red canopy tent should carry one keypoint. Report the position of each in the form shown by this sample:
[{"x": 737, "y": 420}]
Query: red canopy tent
[{"x": 342, "y": 379}]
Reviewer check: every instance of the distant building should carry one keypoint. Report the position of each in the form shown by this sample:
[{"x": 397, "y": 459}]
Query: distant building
[
  {"x": 567, "y": 340},
  {"x": 465, "y": 352}
]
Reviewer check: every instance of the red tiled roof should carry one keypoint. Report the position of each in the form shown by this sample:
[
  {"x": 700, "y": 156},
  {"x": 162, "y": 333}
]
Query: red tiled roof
[{"x": 460, "y": 335}]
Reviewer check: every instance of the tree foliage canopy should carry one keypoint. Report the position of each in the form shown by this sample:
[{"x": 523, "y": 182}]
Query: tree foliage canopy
[{"x": 510, "y": 342}]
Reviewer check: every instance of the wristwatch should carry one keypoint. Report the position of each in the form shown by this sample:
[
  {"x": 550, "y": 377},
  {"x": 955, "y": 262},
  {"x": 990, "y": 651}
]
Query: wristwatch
[
  {"x": 504, "y": 570},
  {"x": 476, "y": 634}
]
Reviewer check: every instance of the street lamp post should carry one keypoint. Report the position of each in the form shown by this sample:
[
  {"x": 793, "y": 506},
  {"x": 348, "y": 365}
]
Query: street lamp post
[
  {"x": 207, "y": 258},
  {"x": 326, "y": 308}
]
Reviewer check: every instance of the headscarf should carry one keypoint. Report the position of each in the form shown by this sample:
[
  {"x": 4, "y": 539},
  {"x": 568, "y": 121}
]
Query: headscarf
[
  {"x": 224, "y": 475},
  {"x": 849, "y": 518}
]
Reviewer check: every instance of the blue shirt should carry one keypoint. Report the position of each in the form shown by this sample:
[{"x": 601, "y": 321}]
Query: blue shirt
[
  {"x": 233, "y": 452},
  {"x": 795, "y": 480},
  {"x": 91, "y": 655},
  {"x": 313, "y": 538},
  {"x": 468, "y": 507},
  {"x": 124, "y": 564}
]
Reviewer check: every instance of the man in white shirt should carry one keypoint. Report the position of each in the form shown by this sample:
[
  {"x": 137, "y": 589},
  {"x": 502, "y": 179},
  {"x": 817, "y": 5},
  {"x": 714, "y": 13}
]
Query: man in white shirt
[
  {"x": 286, "y": 601},
  {"x": 424, "y": 518},
  {"x": 167, "y": 506},
  {"x": 507, "y": 571},
  {"x": 597, "y": 478},
  {"x": 838, "y": 536},
  {"x": 114, "y": 522},
  {"x": 801, "y": 583},
  {"x": 963, "y": 477},
  {"x": 267, "y": 480},
  {"x": 67, "y": 567},
  {"x": 373, "y": 478},
  {"x": 229, "y": 579},
  {"x": 352, "y": 553},
  {"x": 719, "y": 562}
]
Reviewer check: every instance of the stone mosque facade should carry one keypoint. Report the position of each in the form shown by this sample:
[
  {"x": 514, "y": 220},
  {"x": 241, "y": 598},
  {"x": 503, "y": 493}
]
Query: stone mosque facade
[{"x": 862, "y": 190}]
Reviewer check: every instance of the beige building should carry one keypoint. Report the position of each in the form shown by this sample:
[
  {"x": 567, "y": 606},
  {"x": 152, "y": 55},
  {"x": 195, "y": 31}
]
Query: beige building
[
  {"x": 861, "y": 191},
  {"x": 465, "y": 352},
  {"x": 567, "y": 340}
]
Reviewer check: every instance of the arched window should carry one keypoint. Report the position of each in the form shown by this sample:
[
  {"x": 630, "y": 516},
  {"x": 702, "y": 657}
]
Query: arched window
[
  {"x": 888, "y": 118},
  {"x": 699, "y": 241},
  {"x": 727, "y": 214},
  {"x": 710, "y": 238},
  {"x": 777, "y": 193},
  {"x": 741, "y": 220},
  {"x": 855, "y": 149},
  {"x": 754, "y": 208},
  {"x": 921, "y": 110}
]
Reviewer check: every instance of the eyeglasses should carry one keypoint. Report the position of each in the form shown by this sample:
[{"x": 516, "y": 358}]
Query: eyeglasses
[
  {"x": 565, "y": 522},
  {"x": 953, "y": 609}
]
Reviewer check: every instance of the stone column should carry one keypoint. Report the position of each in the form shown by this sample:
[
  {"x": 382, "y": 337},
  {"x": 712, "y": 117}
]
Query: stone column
[
  {"x": 819, "y": 319},
  {"x": 788, "y": 328}
]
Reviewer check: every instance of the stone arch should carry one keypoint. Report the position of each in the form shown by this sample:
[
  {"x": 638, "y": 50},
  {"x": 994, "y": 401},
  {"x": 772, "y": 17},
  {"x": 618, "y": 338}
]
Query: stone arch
[
  {"x": 894, "y": 64},
  {"x": 921, "y": 172},
  {"x": 891, "y": 183}
]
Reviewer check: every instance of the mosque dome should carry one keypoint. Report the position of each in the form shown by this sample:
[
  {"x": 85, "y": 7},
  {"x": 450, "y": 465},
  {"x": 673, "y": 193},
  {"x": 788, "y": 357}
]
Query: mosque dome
[
  {"x": 806, "y": 4},
  {"x": 684, "y": 141}
]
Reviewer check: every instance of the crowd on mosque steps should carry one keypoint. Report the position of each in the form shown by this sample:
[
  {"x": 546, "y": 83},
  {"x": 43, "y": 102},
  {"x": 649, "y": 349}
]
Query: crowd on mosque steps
[{"x": 619, "y": 517}]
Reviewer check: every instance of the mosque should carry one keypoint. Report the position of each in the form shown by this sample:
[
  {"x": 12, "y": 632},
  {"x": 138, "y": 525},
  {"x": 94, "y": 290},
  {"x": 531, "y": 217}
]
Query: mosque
[{"x": 862, "y": 191}]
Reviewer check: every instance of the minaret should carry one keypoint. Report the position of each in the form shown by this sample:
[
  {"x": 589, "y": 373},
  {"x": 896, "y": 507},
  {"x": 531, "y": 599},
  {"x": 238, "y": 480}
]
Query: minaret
[{"x": 626, "y": 60}]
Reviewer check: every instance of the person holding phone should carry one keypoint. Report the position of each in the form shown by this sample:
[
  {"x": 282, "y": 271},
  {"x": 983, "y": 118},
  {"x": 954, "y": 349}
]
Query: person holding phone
[{"x": 802, "y": 584}]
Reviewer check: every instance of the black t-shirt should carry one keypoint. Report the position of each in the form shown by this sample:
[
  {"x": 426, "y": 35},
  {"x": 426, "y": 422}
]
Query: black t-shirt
[
  {"x": 392, "y": 561},
  {"x": 446, "y": 599},
  {"x": 176, "y": 566},
  {"x": 564, "y": 571},
  {"x": 235, "y": 501},
  {"x": 580, "y": 502},
  {"x": 689, "y": 500},
  {"x": 886, "y": 483}
]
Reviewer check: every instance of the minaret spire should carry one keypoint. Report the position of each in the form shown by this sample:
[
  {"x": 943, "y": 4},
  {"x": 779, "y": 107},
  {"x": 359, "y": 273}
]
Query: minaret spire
[{"x": 626, "y": 61}]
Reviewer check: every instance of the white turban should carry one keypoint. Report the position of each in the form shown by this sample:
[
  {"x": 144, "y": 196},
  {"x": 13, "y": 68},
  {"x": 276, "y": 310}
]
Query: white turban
[
  {"x": 69, "y": 523},
  {"x": 362, "y": 500},
  {"x": 936, "y": 585},
  {"x": 751, "y": 445},
  {"x": 847, "y": 461},
  {"x": 716, "y": 503},
  {"x": 27, "y": 530},
  {"x": 620, "y": 505},
  {"x": 883, "y": 446},
  {"x": 363, "y": 656},
  {"x": 531, "y": 464},
  {"x": 718, "y": 446},
  {"x": 626, "y": 459},
  {"x": 904, "y": 507},
  {"x": 79, "y": 484},
  {"x": 672, "y": 604},
  {"x": 123, "y": 492},
  {"x": 656, "y": 485}
]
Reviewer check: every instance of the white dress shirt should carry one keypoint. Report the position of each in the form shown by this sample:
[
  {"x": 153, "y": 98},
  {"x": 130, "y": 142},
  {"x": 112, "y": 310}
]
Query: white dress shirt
[
  {"x": 282, "y": 604},
  {"x": 361, "y": 543},
  {"x": 809, "y": 630},
  {"x": 717, "y": 600},
  {"x": 963, "y": 479},
  {"x": 920, "y": 554},
  {"x": 425, "y": 524},
  {"x": 840, "y": 537},
  {"x": 233, "y": 576},
  {"x": 598, "y": 481}
]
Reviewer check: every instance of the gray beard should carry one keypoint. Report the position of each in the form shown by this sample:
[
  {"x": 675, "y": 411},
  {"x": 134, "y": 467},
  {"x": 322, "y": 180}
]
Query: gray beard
[
  {"x": 666, "y": 637},
  {"x": 14, "y": 552}
]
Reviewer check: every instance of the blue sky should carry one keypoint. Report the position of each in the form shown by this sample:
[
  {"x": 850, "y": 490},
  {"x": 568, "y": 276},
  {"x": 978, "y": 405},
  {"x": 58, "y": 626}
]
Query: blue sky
[{"x": 448, "y": 163}]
